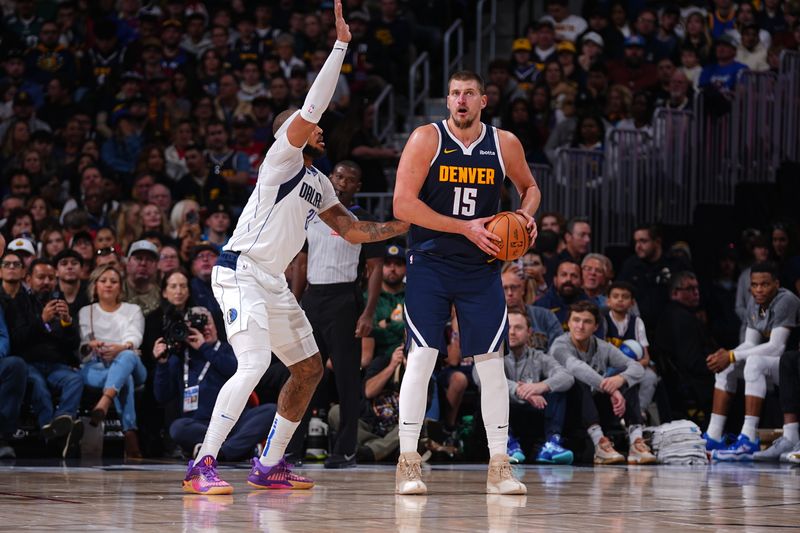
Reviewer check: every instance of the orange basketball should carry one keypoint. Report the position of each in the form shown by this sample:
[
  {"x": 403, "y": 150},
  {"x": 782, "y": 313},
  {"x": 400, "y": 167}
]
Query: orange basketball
[{"x": 513, "y": 232}]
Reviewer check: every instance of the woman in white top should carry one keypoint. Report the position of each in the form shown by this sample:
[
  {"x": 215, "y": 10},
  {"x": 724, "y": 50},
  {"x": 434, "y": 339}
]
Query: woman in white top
[{"x": 110, "y": 332}]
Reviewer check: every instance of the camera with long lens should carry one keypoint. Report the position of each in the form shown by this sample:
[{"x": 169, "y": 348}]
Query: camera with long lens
[{"x": 176, "y": 327}]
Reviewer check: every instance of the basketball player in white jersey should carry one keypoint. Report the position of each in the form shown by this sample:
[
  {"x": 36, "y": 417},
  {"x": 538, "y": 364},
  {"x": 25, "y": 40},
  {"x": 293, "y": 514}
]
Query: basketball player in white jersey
[{"x": 261, "y": 314}]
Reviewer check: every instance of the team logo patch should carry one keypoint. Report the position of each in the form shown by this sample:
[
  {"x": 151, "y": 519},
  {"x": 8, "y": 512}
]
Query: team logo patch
[{"x": 232, "y": 314}]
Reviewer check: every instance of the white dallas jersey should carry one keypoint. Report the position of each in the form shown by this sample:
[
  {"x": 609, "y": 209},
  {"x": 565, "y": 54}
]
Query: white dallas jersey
[{"x": 288, "y": 195}]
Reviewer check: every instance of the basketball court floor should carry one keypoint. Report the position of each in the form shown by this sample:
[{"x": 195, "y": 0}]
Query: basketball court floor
[{"x": 147, "y": 497}]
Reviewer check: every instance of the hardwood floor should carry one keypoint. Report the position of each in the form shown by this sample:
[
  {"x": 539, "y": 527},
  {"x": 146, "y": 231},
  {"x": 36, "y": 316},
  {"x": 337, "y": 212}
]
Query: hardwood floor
[{"x": 148, "y": 497}]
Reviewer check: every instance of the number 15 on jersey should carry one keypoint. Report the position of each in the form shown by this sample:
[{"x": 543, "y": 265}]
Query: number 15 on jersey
[{"x": 464, "y": 201}]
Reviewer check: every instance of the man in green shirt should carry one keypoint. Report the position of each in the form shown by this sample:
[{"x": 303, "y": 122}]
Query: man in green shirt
[{"x": 389, "y": 327}]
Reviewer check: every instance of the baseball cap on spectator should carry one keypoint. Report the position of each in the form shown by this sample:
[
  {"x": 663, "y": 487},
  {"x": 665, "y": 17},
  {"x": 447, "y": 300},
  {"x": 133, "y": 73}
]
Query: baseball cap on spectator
[
  {"x": 566, "y": 46},
  {"x": 217, "y": 207},
  {"x": 358, "y": 14},
  {"x": 595, "y": 38},
  {"x": 521, "y": 44},
  {"x": 80, "y": 236},
  {"x": 634, "y": 40},
  {"x": 143, "y": 246},
  {"x": 23, "y": 98},
  {"x": 67, "y": 253},
  {"x": 172, "y": 23},
  {"x": 394, "y": 251},
  {"x": 545, "y": 23},
  {"x": 726, "y": 40},
  {"x": 203, "y": 247},
  {"x": 22, "y": 245}
]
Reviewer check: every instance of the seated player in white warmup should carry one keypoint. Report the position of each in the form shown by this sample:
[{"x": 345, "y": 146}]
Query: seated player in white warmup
[
  {"x": 772, "y": 314},
  {"x": 261, "y": 314}
]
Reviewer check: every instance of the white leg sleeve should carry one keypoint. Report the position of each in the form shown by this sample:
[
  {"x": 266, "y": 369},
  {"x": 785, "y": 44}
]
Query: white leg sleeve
[
  {"x": 252, "y": 350},
  {"x": 726, "y": 380},
  {"x": 494, "y": 400},
  {"x": 755, "y": 375},
  {"x": 414, "y": 395}
]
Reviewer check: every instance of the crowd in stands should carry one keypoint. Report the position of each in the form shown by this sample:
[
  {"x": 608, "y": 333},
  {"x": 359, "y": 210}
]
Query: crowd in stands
[{"x": 131, "y": 135}]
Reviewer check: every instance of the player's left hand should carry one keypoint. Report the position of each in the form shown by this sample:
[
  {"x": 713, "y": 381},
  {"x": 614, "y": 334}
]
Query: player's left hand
[
  {"x": 342, "y": 29},
  {"x": 532, "y": 229},
  {"x": 363, "y": 326},
  {"x": 612, "y": 384},
  {"x": 718, "y": 361}
]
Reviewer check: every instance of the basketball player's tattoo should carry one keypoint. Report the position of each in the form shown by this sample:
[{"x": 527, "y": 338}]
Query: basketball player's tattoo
[
  {"x": 356, "y": 231},
  {"x": 299, "y": 388}
]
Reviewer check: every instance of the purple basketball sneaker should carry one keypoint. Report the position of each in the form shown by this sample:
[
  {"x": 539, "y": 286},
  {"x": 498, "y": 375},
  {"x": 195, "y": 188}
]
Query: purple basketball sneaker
[
  {"x": 276, "y": 477},
  {"x": 201, "y": 478}
]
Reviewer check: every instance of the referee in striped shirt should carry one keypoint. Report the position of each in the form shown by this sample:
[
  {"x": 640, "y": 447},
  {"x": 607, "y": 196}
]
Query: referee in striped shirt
[{"x": 335, "y": 307}]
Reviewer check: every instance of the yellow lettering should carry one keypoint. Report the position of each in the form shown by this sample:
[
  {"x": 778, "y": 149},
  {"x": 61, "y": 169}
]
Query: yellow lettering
[
  {"x": 489, "y": 176},
  {"x": 463, "y": 174},
  {"x": 482, "y": 176},
  {"x": 442, "y": 173}
]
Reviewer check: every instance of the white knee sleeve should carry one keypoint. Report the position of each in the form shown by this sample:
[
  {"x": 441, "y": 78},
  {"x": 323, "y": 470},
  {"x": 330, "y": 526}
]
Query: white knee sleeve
[
  {"x": 755, "y": 376},
  {"x": 414, "y": 395},
  {"x": 726, "y": 380},
  {"x": 494, "y": 400},
  {"x": 251, "y": 347}
]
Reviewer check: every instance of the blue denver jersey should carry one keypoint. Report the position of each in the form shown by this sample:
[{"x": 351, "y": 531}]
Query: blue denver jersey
[{"x": 464, "y": 183}]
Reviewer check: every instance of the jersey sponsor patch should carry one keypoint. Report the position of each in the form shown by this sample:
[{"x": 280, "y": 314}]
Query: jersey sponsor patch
[{"x": 232, "y": 315}]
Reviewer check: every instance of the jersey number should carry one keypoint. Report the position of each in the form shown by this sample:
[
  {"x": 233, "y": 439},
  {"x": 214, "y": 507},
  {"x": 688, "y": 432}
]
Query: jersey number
[{"x": 464, "y": 201}]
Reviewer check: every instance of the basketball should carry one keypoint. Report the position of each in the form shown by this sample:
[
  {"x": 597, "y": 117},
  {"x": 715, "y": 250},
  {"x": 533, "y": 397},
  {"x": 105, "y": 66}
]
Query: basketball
[
  {"x": 632, "y": 349},
  {"x": 513, "y": 232}
]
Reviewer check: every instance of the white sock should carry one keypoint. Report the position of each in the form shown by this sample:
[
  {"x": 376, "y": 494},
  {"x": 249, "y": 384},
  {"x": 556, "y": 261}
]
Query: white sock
[
  {"x": 277, "y": 440},
  {"x": 790, "y": 431},
  {"x": 750, "y": 427},
  {"x": 634, "y": 432},
  {"x": 596, "y": 433},
  {"x": 494, "y": 401},
  {"x": 716, "y": 426},
  {"x": 414, "y": 395}
]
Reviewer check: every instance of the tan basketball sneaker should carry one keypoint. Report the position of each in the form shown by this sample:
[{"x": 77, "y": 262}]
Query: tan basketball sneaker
[
  {"x": 640, "y": 454},
  {"x": 500, "y": 480},
  {"x": 408, "y": 477},
  {"x": 605, "y": 454}
]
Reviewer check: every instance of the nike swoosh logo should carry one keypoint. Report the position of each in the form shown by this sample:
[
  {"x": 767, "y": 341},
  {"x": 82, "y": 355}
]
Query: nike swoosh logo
[
  {"x": 409, "y": 424},
  {"x": 349, "y": 457},
  {"x": 449, "y": 151},
  {"x": 502, "y": 427}
]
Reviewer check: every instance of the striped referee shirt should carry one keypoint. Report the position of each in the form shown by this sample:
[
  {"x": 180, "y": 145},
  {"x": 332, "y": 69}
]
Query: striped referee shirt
[{"x": 331, "y": 259}]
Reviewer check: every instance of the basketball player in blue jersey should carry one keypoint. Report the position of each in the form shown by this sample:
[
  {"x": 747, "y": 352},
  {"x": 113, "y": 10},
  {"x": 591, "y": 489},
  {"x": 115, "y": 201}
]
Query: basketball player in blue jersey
[
  {"x": 261, "y": 314},
  {"x": 448, "y": 186}
]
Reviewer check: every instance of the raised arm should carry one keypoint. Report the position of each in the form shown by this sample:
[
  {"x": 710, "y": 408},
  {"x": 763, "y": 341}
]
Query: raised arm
[
  {"x": 411, "y": 172},
  {"x": 358, "y": 231},
  {"x": 321, "y": 91}
]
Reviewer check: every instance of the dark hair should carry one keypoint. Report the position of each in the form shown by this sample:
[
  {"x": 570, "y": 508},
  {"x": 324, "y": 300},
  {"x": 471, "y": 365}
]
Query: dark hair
[
  {"x": 578, "y": 137},
  {"x": 568, "y": 262},
  {"x": 347, "y": 163},
  {"x": 585, "y": 306},
  {"x": 652, "y": 229},
  {"x": 622, "y": 286},
  {"x": 547, "y": 242},
  {"x": 468, "y": 75},
  {"x": 516, "y": 310},
  {"x": 570, "y": 225},
  {"x": 39, "y": 261},
  {"x": 677, "y": 279},
  {"x": 499, "y": 63},
  {"x": 169, "y": 274},
  {"x": 766, "y": 267}
]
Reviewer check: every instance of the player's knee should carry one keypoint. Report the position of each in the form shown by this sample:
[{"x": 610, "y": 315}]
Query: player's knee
[
  {"x": 458, "y": 382},
  {"x": 253, "y": 363},
  {"x": 754, "y": 368},
  {"x": 308, "y": 370},
  {"x": 722, "y": 382}
]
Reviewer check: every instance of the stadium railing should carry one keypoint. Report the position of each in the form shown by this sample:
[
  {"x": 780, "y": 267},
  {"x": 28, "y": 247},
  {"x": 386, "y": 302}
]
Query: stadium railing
[
  {"x": 484, "y": 30},
  {"x": 419, "y": 87},
  {"x": 456, "y": 62},
  {"x": 383, "y": 119}
]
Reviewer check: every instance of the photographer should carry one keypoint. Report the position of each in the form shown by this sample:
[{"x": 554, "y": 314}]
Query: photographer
[
  {"x": 44, "y": 334},
  {"x": 110, "y": 332},
  {"x": 192, "y": 368}
]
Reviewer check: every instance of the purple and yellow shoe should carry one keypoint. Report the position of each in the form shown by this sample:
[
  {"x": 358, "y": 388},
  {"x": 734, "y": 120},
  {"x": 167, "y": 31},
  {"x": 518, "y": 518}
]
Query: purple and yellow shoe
[
  {"x": 201, "y": 478},
  {"x": 276, "y": 477}
]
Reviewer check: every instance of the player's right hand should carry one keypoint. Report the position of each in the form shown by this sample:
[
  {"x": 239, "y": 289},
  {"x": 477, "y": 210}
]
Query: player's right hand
[
  {"x": 342, "y": 29},
  {"x": 475, "y": 230}
]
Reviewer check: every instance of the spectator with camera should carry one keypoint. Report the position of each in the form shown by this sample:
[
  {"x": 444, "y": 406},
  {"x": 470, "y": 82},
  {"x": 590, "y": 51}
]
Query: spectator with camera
[
  {"x": 111, "y": 331},
  {"x": 141, "y": 286},
  {"x": 44, "y": 334},
  {"x": 193, "y": 365},
  {"x": 69, "y": 265}
]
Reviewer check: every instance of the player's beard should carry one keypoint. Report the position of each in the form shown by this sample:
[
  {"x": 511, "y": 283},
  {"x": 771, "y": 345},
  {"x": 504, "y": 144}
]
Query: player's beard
[
  {"x": 462, "y": 124},
  {"x": 314, "y": 152}
]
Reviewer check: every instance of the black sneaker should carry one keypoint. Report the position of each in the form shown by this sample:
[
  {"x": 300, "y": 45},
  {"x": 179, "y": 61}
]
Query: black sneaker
[
  {"x": 364, "y": 454},
  {"x": 57, "y": 427},
  {"x": 337, "y": 460}
]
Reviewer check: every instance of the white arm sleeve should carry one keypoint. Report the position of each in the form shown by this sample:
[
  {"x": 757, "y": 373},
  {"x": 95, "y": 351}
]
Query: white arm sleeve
[
  {"x": 774, "y": 347},
  {"x": 641, "y": 333},
  {"x": 321, "y": 91}
]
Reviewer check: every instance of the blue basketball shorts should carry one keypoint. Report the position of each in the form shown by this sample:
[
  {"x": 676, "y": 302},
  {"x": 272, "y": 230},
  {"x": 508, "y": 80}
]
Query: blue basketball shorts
[{"x": 434, "y": 284}]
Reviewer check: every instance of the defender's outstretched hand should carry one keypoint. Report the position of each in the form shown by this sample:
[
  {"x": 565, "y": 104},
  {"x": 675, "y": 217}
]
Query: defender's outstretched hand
[{"x": 342, "y": 29}]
